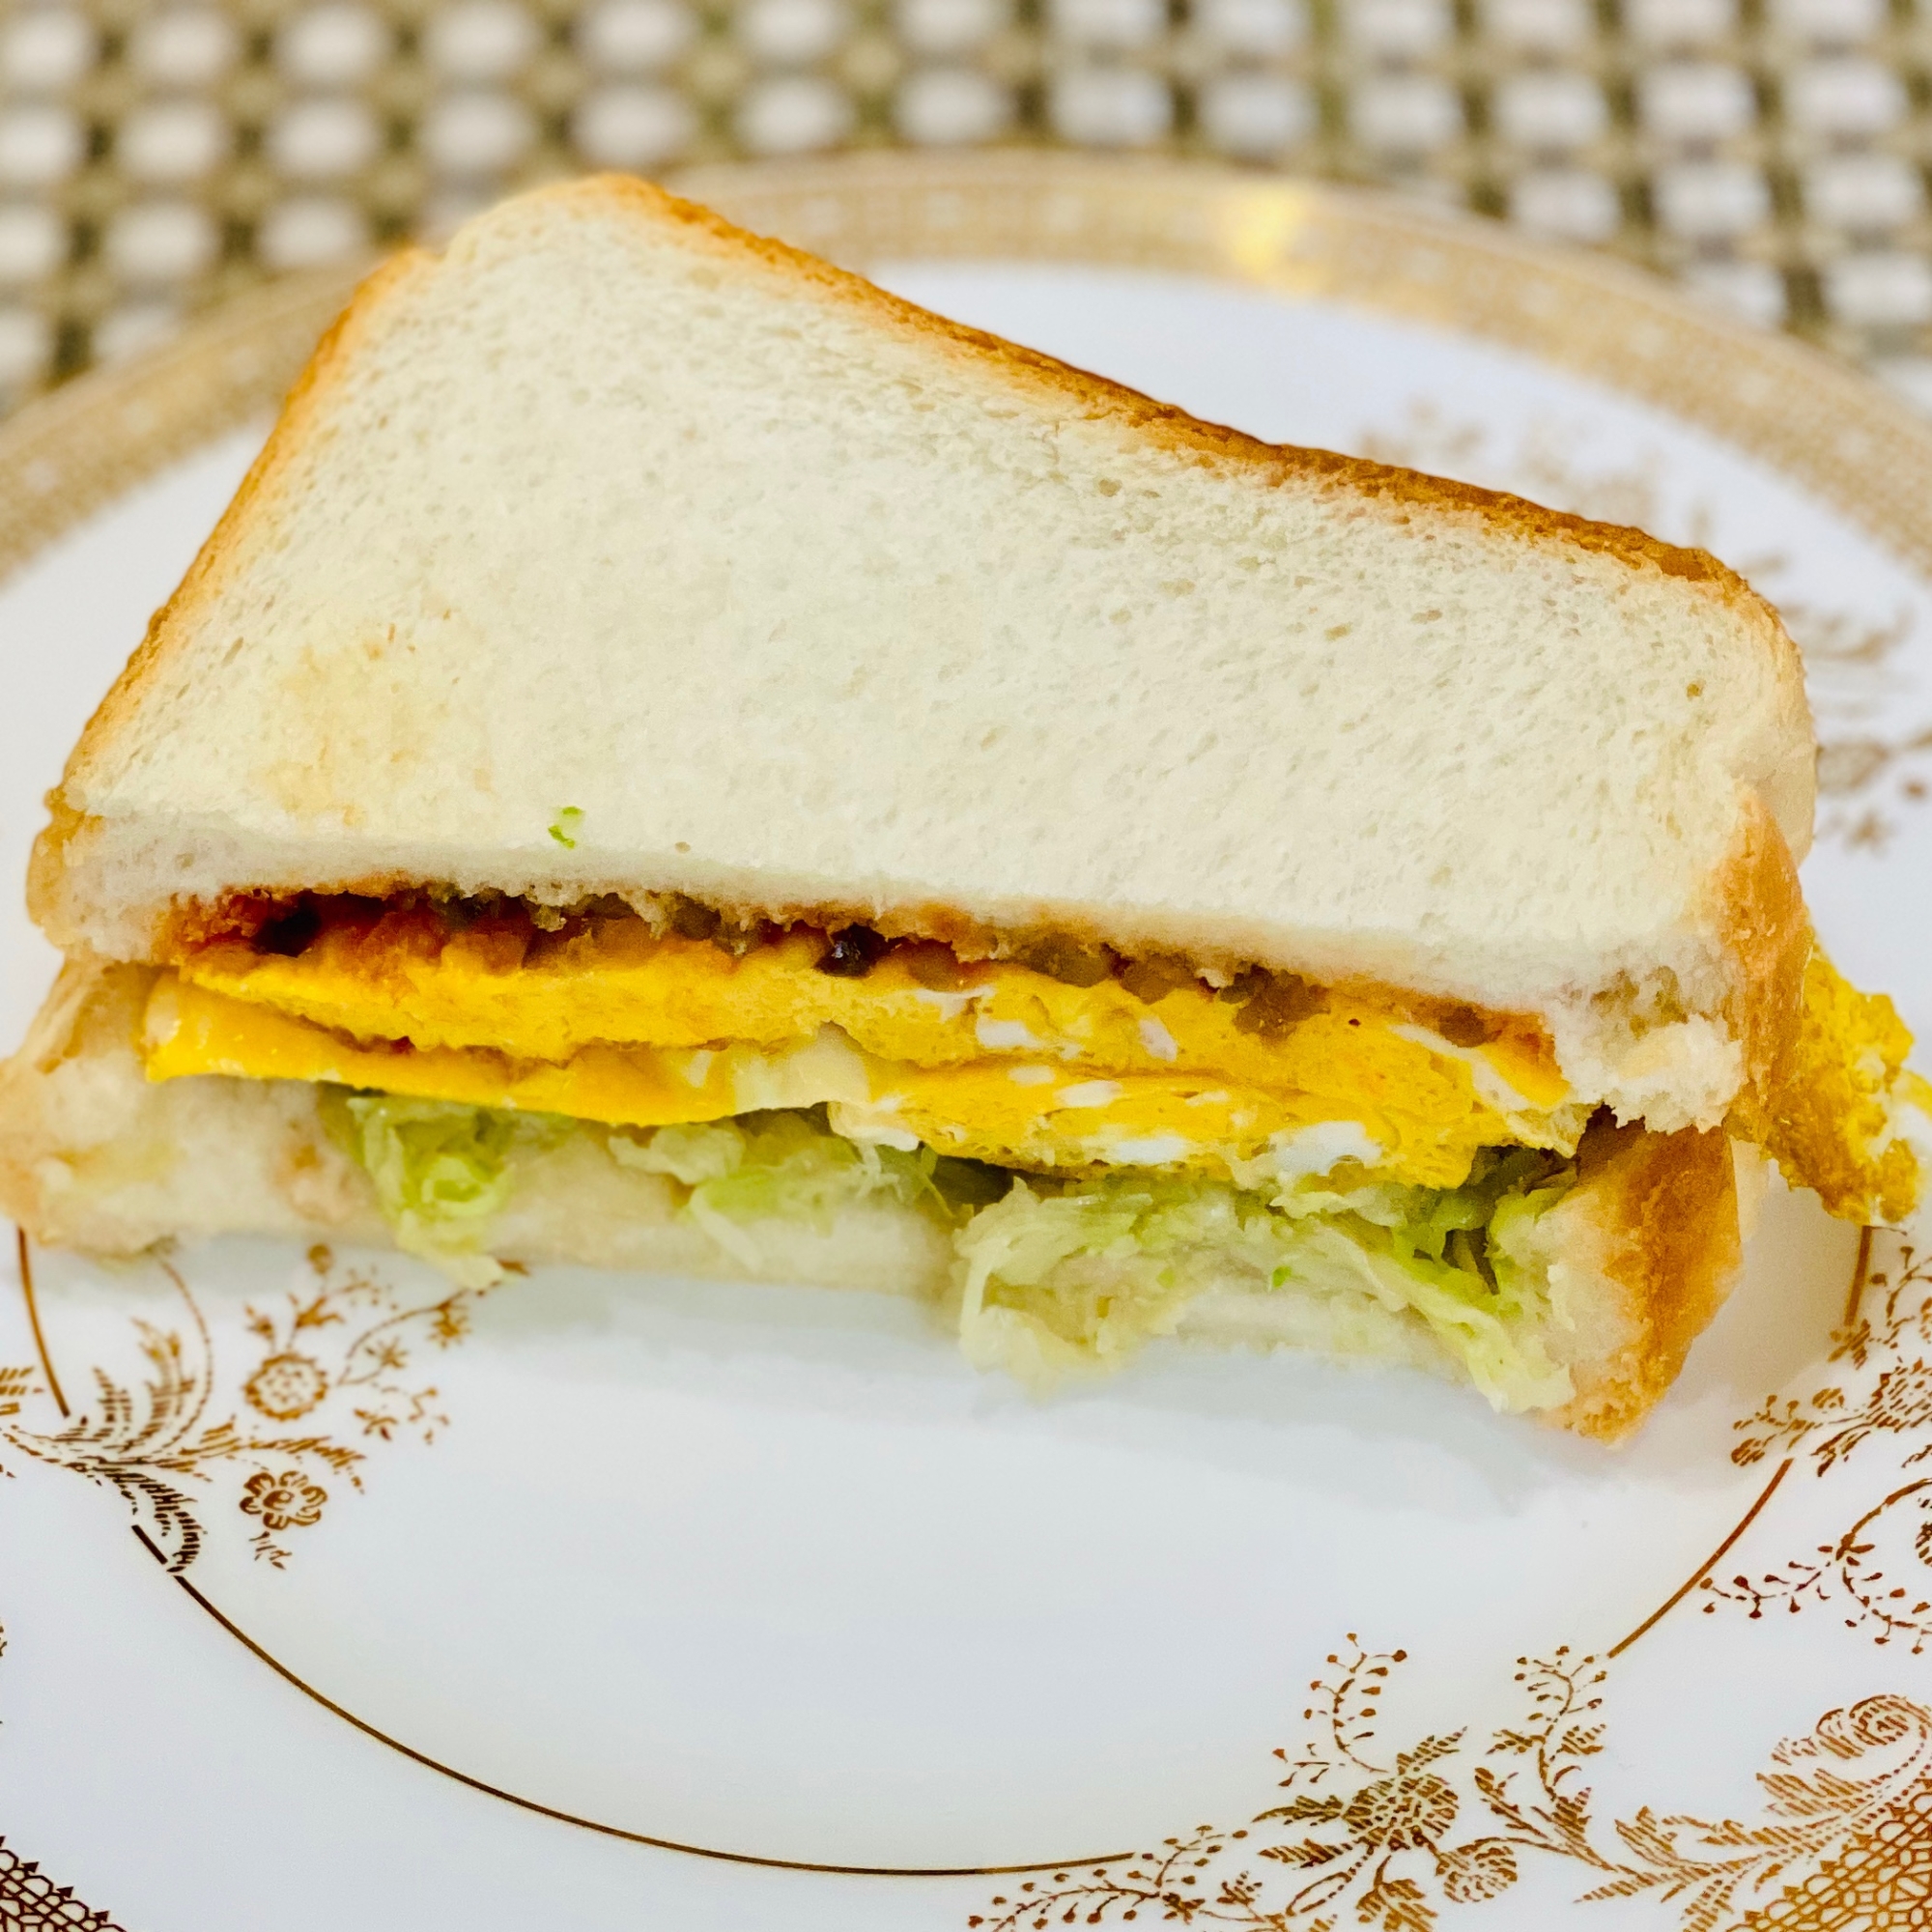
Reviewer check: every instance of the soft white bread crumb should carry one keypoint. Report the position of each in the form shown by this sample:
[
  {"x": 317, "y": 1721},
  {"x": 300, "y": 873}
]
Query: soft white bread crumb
[{"x": 802, "y": 598}]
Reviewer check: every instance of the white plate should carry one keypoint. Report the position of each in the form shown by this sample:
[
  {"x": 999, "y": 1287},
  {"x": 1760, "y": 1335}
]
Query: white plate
[{"x": 608, "y": 1601}]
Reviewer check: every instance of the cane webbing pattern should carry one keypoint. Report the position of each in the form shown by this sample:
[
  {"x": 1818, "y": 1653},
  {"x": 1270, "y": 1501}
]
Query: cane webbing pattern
[{"x": 156, "y": 155}]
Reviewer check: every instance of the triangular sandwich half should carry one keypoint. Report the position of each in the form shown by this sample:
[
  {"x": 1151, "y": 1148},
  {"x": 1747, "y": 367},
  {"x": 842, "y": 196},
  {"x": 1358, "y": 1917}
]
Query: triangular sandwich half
[{"x": 677, "y": 758}]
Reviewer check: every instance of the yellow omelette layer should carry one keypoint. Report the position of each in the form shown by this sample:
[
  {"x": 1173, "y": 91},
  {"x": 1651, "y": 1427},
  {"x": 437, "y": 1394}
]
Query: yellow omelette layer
[
  {"x": 407, "y": 978},
  {"x": 995, "y": 1058},
  {"x": 1368, "y": 1091}
]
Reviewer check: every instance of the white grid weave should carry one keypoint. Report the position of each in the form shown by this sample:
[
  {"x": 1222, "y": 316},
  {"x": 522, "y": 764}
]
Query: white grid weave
[{"x": 157, "y": 154}]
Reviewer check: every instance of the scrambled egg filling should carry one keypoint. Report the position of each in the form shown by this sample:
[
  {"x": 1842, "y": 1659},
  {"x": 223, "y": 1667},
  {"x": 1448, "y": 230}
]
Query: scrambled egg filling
[
  {"x": 1844, "y": 1115},
  {"x": 996, "y": 1060}
]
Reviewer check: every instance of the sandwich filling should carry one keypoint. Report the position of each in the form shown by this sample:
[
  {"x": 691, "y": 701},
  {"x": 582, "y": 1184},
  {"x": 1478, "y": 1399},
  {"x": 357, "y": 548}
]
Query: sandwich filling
[
  {"x": 1072, "y": 1063},
  {"x": 1104, "y": 1139},
  {"x": 1051, "y": 1275}
]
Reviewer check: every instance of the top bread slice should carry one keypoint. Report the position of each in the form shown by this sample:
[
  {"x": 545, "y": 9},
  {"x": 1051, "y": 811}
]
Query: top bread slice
[{"x": 616, "y": 550}]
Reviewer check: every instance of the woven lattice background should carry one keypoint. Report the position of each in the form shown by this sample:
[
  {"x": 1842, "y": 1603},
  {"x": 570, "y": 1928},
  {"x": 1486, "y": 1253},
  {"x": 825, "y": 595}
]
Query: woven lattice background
[{"x": 154, "y": 155}]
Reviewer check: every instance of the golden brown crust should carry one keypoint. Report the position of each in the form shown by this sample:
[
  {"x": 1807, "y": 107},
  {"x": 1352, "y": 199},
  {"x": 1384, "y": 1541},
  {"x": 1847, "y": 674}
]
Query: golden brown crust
[
  {"x": 217, "y": 555},
  {"x": 1767, "y": 933},
  {"x": 1663, "y": 1223},
  {"x": 47, "y": 864}
]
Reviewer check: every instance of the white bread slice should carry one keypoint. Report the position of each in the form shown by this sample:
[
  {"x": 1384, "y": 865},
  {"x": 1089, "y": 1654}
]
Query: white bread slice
[
  {"x": 808, "y": 601},
  {"x": 1640, "y": 1255}
]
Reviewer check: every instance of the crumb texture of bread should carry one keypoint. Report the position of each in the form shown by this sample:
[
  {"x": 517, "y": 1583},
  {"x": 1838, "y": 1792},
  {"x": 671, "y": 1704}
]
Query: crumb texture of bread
[{"x": 788, "y": 593}]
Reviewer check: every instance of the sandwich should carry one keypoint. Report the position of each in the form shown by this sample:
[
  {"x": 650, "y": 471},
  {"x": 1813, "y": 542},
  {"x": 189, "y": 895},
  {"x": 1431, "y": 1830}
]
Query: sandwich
[{"x": 676, "y": 759}]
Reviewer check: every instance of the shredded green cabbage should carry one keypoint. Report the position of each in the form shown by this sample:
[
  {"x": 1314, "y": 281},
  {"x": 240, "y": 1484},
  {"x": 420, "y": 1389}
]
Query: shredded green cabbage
[
  {"x": 1054, "y": 1276},
  {"x": 1060, "y": 1278},
  {"x": 777, "y": 1166},
  {"x": 442, "y": 1172}
]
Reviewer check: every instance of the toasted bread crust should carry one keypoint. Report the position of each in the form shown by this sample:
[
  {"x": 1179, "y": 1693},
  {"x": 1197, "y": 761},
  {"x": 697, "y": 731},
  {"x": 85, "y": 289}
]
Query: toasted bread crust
[
  {"x": 1655, "y": 1217},
  {"x": 220, "y": 552},
  {"x": 1768, "y": 934},
  {"x": 64, "y": 835},
  {"x": 57, "y": 849}
]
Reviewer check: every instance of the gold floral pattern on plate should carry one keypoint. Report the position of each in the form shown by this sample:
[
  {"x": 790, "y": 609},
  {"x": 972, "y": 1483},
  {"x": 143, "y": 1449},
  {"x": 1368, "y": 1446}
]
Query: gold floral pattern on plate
[
  {"x": 1378, "y": 1838},
  {"x": 1878, "y": 1570},
  {"x": 344, "y": 1342},
  {"x": 1386, "y": 1841}
]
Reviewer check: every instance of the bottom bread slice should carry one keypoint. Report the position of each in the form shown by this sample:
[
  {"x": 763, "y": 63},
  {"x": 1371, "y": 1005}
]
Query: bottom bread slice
[{"x": 1634, "y": 1259}]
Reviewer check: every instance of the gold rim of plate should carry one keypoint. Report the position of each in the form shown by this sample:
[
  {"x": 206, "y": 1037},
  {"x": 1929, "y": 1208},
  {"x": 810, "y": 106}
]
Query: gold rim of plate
[{"x": 1823, "y": 426}]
